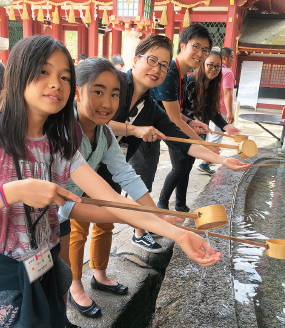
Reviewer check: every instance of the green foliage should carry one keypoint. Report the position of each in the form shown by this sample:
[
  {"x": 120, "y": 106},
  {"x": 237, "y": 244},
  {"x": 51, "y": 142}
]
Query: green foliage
[{"x": 71, "y": 39}]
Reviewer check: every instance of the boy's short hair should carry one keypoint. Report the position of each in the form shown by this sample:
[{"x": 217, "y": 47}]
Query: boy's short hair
[
  {"x": 195, "y": 31},
  {"x": 226, "y": 52},
  {"x": 118, "y": 60},
  {"x": 83, "y": 56}
]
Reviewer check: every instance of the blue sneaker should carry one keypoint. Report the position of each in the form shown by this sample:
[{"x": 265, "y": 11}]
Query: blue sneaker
[
  {"x": 206, "y": 169},
  {"x": 162, "y": 206}
]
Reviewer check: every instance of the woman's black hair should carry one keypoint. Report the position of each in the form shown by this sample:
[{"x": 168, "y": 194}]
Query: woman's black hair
[
  {"x": 154, "y": 42},
  {"x": 207, "y": 102},
  {"x": 195, "y": 31},
  {"x": 89, "y": 69},
  {"x": 24, "y": 66}
]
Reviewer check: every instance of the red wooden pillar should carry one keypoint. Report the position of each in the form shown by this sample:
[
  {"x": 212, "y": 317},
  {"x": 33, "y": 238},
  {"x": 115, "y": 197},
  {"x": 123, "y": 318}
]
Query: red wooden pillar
[
  {"x": 93, "y": 35},
  {"x": 79, "y": 41},
  {"x": 84, "y": 45},
  {"x": 116, "y": 42},
  {"x": 105, "y": 48},
  {"x": 4, "y": 33},
  {"x": 37, "y": 27},
  {"x": 169, "y": 28},
  {"x": 28, "y": 23},
  {"x": 230, "y": 40},
  {"x": 57, "y": 30}
]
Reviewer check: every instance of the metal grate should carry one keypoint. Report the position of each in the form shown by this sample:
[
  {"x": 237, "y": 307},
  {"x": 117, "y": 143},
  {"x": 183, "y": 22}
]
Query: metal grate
[
  {"x": 15, "y": 32},
  {"x": 218, "y": 31},
  {"x": 147, "y": 8},
  {"x": 128, "y": 9},
  {"x": 277, "y": 75}
]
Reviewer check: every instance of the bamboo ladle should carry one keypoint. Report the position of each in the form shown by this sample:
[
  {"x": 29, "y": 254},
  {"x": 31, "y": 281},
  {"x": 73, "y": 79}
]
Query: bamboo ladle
[
  {"x": 245, "y": 149},
  {"x": 209, "y": 217},
  {"x": 273, "y": 247},
  {"x": 236, "y": 137}
]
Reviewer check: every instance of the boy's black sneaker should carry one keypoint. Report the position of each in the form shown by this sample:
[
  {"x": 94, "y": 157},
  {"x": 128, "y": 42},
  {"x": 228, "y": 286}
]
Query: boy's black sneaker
[
  {"x": 182, "y": 208},
  {"x": 147, "y": 243},
  {"x": 162, "y": 206},
  {"x": 206, "y": 169}
]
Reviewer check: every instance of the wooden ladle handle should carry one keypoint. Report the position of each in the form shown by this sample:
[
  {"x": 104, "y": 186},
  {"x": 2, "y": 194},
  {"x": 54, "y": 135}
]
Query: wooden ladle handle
[
  {"x": 138, "y": 208},
  {"x": 240, "y": 240},
  {"x": 201, "y": 142}
]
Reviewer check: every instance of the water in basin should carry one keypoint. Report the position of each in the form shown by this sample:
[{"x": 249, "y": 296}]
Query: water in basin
[{"x": 259, "y": 281}]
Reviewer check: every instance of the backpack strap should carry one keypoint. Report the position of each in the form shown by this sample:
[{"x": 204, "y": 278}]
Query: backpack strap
[
  {"x": 108, "y": 136},
  {"x": 78, "y": 132}
]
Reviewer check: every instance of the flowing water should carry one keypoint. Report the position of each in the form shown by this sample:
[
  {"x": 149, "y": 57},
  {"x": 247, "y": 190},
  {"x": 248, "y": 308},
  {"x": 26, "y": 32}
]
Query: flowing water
[{"x": 259, "y": 280}]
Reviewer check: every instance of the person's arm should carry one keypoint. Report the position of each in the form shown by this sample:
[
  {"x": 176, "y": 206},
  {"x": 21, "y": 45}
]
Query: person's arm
[
  {"x": 223, "y": 125},
  {"x": 144, "y": 132},
  {"x": 205, "y": 154},
  {"x": 173, "y": 111},
  {"x": 35, "y": 193},
  {"x": 191, "y": 243},
  {"x": 196, "y": 125},
  {"x": 228, "y": 99}
]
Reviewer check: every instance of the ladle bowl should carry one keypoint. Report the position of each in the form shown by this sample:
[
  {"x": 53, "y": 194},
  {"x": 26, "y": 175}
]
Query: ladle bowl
[
  {"x": 247, "y": 148},
  {"x": 275, "y": 248},
  {"x": 210, "y": 217}
]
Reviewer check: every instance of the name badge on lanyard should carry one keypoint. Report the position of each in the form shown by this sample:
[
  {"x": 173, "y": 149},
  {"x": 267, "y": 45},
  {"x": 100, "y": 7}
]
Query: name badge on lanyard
[{"x": 37, "y": 262}]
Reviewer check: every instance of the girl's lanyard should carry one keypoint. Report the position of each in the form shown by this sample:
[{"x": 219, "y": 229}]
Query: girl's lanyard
[
  {"x": 180, "y": 91},
  {"x": 28, "y": 208}
]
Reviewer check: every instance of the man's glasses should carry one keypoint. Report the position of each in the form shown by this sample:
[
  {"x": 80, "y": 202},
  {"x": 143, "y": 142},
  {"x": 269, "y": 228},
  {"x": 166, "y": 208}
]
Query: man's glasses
[
  {"x": 197, "y": 48},
  {"x": 232, "y": 57},
  {"x": 211, "y": 66},
  {"x": 152, "y": 61}
]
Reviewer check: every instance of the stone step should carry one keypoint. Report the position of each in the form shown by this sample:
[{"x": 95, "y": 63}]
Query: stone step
[{"x": 134, "y": 267}]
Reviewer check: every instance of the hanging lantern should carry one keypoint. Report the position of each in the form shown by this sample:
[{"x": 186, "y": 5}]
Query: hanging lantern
[
  {"x": 186, "y": 20},
  {"x": 105, "y": 20},
  {"x": 11, "y": 13},
  {"x": 87, "y": 19},
  {"x": 40, "y": 17},
  {"x": 55, "y": 18},
  {"x": 163, "y": 19},
  {"x": 25, "y": 13},
  {"x": 71, "y": 18}
]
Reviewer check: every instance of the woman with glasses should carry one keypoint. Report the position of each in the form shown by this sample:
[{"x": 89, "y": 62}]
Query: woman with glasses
[{"x": 203, "y": 98}]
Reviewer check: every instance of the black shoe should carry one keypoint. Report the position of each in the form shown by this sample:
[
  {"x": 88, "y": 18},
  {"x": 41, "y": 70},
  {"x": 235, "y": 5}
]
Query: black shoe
[
  {"x": 206, "y": 169},
  {"x": 182, "y": 208},
  {"x": 68, "y": 324},
  {"x": 146, "y": 242},
  {"x": 91, "y": 311},
  {"x": 118, "y": 290},
  {"x": 164, "y": 207}
]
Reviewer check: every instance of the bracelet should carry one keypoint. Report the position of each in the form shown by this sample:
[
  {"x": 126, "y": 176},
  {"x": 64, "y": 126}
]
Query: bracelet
[
  {"x": 125, "y": 129},
  {"x": 2, "y": 196},
  {"x": 188, "y": 121}
]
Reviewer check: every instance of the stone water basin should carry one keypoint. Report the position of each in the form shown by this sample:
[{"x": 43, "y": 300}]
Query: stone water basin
[{"x": 245, "y": 289}]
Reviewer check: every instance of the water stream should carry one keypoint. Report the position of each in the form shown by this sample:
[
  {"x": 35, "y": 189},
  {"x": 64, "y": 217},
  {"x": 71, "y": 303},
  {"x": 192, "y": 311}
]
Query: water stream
[{"x": 259, "y": 281}]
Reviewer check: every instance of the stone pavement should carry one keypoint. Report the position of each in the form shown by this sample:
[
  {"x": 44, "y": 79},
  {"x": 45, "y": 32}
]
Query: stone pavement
[{"x": 142, "y": 271}]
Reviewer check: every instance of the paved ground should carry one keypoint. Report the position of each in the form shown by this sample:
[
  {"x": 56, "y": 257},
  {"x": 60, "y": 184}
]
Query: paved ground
[{"x": 126, "y": 258}]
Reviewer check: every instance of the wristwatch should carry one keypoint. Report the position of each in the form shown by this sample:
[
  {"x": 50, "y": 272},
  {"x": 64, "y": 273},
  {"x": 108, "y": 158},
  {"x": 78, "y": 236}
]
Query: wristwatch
[{"x": 188, "y": 121}]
